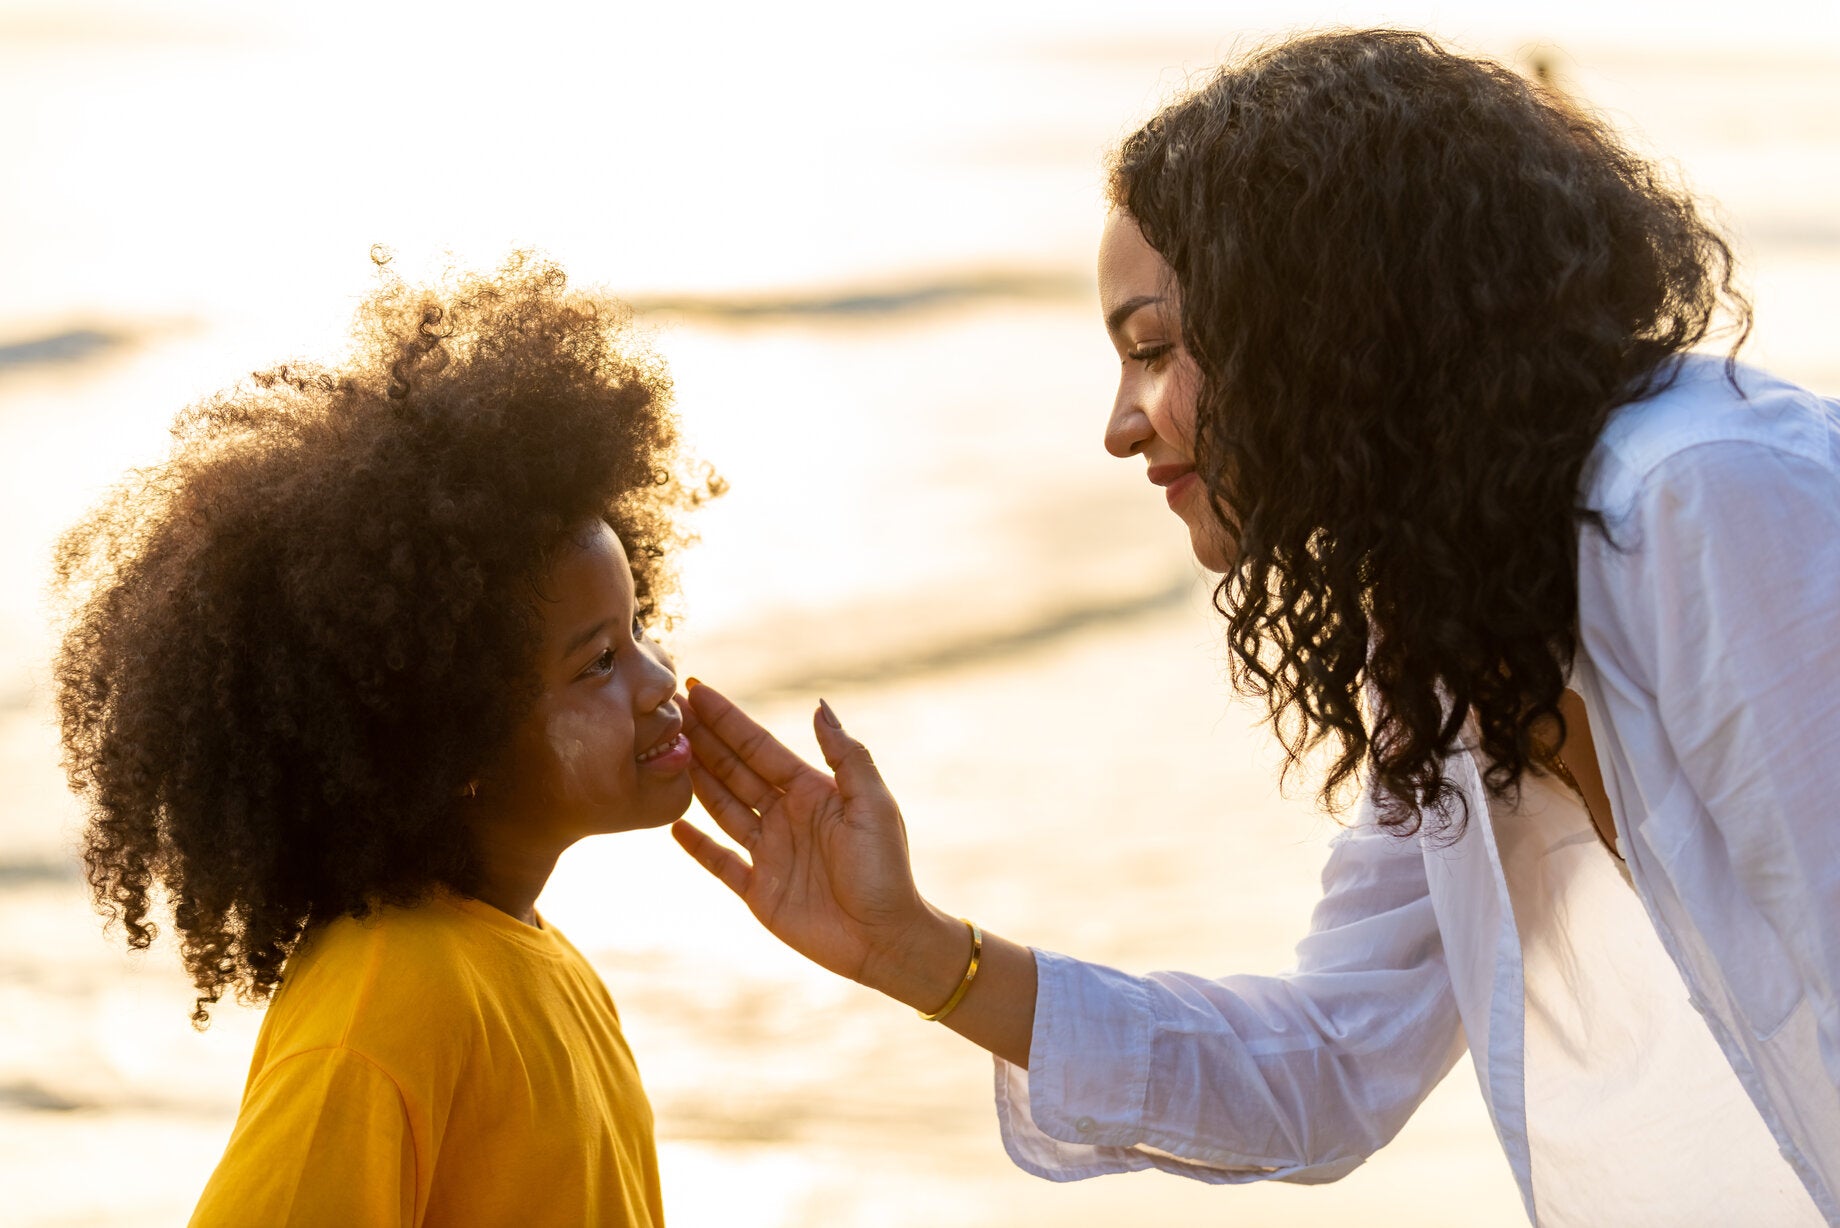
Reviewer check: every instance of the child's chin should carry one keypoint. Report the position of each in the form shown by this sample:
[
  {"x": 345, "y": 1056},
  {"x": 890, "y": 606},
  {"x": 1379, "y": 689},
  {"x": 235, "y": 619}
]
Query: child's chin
[{"x": 664, "y": 805}]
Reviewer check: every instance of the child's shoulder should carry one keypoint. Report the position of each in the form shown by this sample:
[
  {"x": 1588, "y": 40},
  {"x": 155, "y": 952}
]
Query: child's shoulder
[
  {"x": 409, "y": 998},
  {"x": 418, "y": 966},
  {"x": 429, "y": 931},
  {"x": 415, "y": 990}
]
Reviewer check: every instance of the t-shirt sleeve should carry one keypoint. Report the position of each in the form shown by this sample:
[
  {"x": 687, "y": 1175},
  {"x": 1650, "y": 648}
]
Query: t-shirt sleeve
[
  {"x": 1296, "y": 1077},
  {"x": 323, "y": 1138}
]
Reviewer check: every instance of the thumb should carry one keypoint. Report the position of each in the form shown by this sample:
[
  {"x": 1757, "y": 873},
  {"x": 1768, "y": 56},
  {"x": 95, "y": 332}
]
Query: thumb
[{"x": 849, "y": 759}]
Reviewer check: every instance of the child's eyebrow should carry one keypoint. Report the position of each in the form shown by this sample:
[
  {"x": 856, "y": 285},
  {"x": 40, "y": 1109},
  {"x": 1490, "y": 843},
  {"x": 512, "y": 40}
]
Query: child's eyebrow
[{"x": 583, "y": 637}]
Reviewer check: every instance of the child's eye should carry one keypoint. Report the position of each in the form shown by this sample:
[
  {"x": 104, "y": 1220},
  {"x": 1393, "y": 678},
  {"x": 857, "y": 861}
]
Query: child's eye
[
  {"x": 602, "y": 664},
  {"x": 638, "y": 628}
]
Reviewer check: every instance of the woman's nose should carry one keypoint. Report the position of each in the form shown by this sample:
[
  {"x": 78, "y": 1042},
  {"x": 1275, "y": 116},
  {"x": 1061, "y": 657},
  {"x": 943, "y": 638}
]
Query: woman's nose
[{"x": 1129, "y": 427}]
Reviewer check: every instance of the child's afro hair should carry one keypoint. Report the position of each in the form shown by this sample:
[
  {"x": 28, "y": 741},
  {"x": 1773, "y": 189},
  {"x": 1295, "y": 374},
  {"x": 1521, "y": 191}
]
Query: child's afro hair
[{"x": 292, "y": 644}]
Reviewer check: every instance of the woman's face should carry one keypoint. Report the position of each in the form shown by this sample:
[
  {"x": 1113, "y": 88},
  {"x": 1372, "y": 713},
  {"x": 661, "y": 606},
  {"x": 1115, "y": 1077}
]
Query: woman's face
[
  {"x": 1154, "y": 413},
  {"x": 603, "y": 749}
]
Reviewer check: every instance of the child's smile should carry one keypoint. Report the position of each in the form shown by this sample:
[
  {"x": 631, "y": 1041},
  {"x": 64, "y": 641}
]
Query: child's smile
[{"x": 602, "y": 749}]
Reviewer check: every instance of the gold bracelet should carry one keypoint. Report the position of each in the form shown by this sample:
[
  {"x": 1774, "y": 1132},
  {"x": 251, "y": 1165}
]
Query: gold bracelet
[{"x": 971, "y": 970}]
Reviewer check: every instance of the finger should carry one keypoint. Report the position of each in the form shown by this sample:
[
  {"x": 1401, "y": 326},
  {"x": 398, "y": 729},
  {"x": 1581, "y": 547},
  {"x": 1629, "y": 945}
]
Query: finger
[
  {"x": 734, "y": 817},
  {"x": 857, "y": 776},
  {"x": 724, "y": 863},
  {"x": 726, "y": 766},
  {"x": 751, "y": 742}
]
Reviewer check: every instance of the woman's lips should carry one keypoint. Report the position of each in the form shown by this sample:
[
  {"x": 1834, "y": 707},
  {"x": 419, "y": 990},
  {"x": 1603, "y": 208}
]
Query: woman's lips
[
  {"x": 670, "y": 756},
  {"x": 1176, "y": 480},
  {"x": 1179, "y": 488}
]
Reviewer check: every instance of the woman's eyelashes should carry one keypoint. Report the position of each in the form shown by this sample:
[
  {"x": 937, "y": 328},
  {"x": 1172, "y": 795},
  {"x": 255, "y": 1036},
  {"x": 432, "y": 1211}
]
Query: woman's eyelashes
[{"x": 1150, "y": 355}]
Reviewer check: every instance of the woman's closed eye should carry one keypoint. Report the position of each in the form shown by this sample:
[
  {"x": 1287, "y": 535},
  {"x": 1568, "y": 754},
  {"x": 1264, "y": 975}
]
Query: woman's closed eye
[{"x": 1150, "y": 355}]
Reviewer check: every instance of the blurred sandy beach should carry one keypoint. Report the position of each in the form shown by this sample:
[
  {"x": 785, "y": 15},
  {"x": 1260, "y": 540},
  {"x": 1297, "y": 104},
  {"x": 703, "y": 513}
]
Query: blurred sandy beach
[{"x": 864, "y": 243}]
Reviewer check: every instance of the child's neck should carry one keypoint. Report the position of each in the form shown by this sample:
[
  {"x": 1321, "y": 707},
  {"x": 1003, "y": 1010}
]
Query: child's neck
[{"x": 512, "y": 875}]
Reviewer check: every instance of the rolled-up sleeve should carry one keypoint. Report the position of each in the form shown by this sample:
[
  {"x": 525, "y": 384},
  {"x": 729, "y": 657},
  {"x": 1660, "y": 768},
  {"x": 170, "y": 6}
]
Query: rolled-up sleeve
[{"x": 1295, "y": 1077}]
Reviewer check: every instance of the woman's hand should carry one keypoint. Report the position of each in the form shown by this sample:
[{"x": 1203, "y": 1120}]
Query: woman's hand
[{"x": 829, "y": 873}]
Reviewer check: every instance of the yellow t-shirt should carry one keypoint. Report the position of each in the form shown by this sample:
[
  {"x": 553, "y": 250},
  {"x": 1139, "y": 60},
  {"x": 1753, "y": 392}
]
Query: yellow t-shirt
[{"x": 439, "y": 1065}]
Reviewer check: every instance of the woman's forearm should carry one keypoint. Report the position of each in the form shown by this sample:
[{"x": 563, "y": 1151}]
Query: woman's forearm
[{"x": 997, "y": 1011}]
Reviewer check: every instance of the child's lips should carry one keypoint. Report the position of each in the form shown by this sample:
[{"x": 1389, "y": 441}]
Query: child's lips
[{"x": 670, "y": 756}]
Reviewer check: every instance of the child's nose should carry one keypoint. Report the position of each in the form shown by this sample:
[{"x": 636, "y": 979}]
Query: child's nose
[{"x": 658, "y": 681}]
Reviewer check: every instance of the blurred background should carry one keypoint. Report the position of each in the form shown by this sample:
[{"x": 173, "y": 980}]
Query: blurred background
[{"x": 862, "y": 235}]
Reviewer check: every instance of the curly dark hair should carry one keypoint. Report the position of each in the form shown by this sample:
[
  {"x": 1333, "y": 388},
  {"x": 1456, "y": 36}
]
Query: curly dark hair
[
  {"x": 292, "y": 643},
  {"x": 1415, "y": 286}
]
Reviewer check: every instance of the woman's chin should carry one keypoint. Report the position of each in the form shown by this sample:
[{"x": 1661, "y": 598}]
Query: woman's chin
[{"x": 1213, "y": 554}]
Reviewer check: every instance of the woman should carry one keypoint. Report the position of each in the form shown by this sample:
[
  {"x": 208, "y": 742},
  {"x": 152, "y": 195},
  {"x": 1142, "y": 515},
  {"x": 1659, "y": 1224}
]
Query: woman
[{"x": 1405, "y": 341}]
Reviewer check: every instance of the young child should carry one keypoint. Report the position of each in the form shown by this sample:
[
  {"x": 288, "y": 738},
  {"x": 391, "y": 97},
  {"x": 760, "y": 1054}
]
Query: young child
[{"x": 344, "y": 676}]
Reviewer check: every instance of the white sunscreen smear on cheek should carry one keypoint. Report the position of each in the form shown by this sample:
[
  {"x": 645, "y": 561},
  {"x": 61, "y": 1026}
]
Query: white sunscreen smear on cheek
[{"x": 569, "y": 735}]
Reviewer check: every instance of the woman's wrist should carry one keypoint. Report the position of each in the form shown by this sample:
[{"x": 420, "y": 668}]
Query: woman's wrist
[{"x": 924, "y": 963}]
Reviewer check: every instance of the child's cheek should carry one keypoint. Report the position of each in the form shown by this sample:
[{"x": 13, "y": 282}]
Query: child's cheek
[{"x": 580, "y": 773}]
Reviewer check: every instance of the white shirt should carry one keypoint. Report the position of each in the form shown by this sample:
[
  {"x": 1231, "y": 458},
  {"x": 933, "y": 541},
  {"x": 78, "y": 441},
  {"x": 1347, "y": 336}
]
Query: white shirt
[{"x": 1710, "y": 666}]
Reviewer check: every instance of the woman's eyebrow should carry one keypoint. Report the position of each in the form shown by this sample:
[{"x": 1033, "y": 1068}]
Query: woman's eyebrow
[{"x": 1127, "y": 309}]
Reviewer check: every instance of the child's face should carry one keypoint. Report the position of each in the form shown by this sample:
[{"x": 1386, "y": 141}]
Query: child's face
[{"x": 603, "y": 749}]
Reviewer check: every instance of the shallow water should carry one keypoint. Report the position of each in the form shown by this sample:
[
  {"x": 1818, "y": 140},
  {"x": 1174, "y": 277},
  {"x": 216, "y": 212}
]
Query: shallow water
[{"x": 897, "y": 365}]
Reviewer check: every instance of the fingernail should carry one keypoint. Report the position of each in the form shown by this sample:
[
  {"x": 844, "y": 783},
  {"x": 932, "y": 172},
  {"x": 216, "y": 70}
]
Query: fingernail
[
  {"x": 830, "y": 718},
  {"x": 691, "y": 682}
]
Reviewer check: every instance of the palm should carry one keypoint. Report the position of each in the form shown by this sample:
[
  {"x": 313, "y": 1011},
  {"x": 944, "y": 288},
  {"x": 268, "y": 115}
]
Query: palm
[
  {"x": 828, "y": 870},
  {"x": 819, "y": 884}
]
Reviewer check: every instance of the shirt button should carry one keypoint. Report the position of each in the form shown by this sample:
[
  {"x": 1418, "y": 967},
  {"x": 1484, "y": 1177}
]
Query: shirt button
[{"x": 1085, "y": 1125}]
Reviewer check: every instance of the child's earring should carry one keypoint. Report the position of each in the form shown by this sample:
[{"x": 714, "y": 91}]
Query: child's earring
[{"x": 471, "y": 790}]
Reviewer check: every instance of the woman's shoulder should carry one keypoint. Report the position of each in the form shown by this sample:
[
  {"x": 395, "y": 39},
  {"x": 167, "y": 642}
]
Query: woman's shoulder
[{"x": 1707, "y": 409}]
